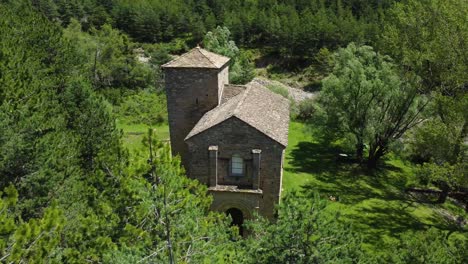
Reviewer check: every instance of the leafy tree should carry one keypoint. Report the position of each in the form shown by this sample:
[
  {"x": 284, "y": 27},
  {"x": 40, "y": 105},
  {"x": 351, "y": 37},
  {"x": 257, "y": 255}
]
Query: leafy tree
[
  {"x": 448, "y": 126},
  {"x": 444, "y": 162},
  {"x": 365, "y": 97},
  {"x": 294, "y": 30},
  {"x": 218, "y": 41},
  {"x": 108, "y": 58},
  {"x": 430, "y": 37}
]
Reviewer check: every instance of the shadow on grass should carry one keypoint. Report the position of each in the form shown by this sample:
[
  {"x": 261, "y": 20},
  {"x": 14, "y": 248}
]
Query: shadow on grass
[
  {"x": 347, "y": 181},
  {"x": 392, "y": 218},
  {"x": 374, "y": 201},
  {"x": 384, "y": 219},
  {"x": 314, "y": 158}
]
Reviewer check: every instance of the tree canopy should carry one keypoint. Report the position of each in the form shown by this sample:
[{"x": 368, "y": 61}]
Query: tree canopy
[{"x": 366, "y": 97}]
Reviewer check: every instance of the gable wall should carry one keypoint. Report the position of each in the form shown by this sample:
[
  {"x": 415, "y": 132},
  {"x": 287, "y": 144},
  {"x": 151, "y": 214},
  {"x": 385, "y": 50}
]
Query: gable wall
[{"x": 236, "y": 137}]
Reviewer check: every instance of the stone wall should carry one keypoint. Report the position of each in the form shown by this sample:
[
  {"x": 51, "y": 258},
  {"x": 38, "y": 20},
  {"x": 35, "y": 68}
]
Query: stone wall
[
  {"x": 190, "y": 94},
  {"x": 223, "y": 79},
  {"x": 248, "y": 203},
  {"x": 234, "y": 136}
]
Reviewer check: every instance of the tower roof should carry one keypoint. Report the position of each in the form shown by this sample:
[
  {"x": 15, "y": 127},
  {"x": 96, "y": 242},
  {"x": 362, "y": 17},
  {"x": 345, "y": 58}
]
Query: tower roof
[{"x": 198, "y": 58}]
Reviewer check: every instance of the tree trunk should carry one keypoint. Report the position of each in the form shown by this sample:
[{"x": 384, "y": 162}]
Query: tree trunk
[
  {"x": 360, "y": 151},
  {"x": 445, "y": 191},
  {"x": 374, "y": 156}
]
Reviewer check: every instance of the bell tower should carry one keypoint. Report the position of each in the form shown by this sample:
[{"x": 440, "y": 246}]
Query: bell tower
[{"x": 194, "y": 85}]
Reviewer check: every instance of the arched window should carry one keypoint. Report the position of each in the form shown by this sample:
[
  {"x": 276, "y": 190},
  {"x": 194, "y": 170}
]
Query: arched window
[{"x": 237, "y": 165}]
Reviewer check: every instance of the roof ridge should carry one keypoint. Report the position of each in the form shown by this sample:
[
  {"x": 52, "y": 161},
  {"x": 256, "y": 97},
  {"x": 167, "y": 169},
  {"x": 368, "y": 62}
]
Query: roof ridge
[
  {"x": 241, "y": 101},
  {"x": 204, "y": 55},
  {"x": 181, "y": 56}
]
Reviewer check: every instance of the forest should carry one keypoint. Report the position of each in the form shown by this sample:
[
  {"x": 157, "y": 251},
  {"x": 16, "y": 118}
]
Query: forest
[{"x": 376, "y": 169}]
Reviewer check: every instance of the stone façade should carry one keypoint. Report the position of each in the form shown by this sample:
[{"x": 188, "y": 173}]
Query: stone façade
[
  {"x": 236, "y": 137},
  {"x": 211, "y": 122}
]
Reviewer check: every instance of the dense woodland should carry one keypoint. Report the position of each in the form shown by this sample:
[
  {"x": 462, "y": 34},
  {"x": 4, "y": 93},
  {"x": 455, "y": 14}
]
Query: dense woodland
[{"x": 392, "y": 84}]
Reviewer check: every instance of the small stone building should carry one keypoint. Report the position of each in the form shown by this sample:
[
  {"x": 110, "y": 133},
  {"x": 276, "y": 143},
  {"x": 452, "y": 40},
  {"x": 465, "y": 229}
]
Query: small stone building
[{"x": 230, "y": 137}]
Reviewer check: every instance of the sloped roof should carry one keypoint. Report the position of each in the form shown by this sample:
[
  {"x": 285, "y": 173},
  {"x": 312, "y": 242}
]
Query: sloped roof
[
  {"x": 198, "y": 58},
  {"x": 231, "y": 90},
  {"x": 257, "y": 106}
]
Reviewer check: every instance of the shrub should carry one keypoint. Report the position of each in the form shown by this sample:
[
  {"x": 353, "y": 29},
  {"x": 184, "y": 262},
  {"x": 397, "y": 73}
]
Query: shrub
[
  {"x": 279, "y": 90},
  {"x": 306, "y": 109}
]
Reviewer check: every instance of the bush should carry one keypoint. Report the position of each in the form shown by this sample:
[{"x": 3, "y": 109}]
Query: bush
[
  {"x": 279, "y": 90},
  {"x": 306, "y": 109}
]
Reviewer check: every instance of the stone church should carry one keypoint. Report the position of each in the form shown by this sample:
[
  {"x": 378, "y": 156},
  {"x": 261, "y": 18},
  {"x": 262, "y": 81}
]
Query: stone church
[{"x": 230, "y": 137}]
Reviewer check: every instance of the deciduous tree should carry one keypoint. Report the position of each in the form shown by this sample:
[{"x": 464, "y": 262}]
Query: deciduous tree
[{"x": 367, "y": 98}]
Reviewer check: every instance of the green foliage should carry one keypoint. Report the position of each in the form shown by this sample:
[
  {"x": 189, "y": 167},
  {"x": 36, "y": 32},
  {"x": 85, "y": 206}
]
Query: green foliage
[
  {"x": 302, "y": 234},
  {"x": 218, "y": 41},
  {"x": 454, "y": 176},
  {"x": 60, "y": 146},
  {"x": 160, "y": 56},
  {"x": 242, "y": 70},
  {"x": 33, "y": 241},
  {"x": 431, "y": 246},
  {"x": 448, "y": 126},
  {"x": 72, "y": 194},
  {"x": 109, "y": 58},
  {"x": 306, "y": 109},
  {"x": 293, "y": 30},
  {"x": 430, "y": 38},
  {"x": 444, "y": 163},
  {"x": 365, "y": 97},
  {"x": 278, "y": 89},
  {"x": 164, "y": 204},
  {"x": 146, "y": 106}
]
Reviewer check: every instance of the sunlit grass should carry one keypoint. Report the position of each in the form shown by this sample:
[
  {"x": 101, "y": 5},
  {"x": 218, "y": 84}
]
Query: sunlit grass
[
  {"x": 374, "y": 203},
  {"x": 133, "y": 134}
]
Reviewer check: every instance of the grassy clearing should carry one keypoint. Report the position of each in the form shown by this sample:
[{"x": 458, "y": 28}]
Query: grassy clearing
[
  {"x": 373, "y": 203},
  {"x": 133, "y": 133}
]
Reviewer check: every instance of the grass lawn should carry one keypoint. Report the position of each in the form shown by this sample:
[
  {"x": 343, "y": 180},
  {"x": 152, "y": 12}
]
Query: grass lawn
[
  {"x": 134, "y": 133},
  {"x": 374, "y": 203}
]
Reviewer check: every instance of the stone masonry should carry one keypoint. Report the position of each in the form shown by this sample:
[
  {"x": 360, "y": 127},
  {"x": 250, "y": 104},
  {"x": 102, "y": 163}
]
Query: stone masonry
[{"x": 230, "y": 137}]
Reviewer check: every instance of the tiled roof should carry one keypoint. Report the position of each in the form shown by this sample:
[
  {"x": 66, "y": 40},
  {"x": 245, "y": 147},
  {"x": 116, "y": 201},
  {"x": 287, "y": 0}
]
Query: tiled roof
[
  {"x": 198, "y": 58},
  {"x": 231, "y": 90},
  {"x": 257, "y": 106}
]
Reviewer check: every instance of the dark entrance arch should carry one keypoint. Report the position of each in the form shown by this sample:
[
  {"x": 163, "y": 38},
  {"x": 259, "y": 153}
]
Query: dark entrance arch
[{"x": 237, "y": 219}]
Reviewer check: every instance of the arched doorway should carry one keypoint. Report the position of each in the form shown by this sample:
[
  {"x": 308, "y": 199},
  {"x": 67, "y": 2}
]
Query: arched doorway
[{"x": 237, "y": 219}]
